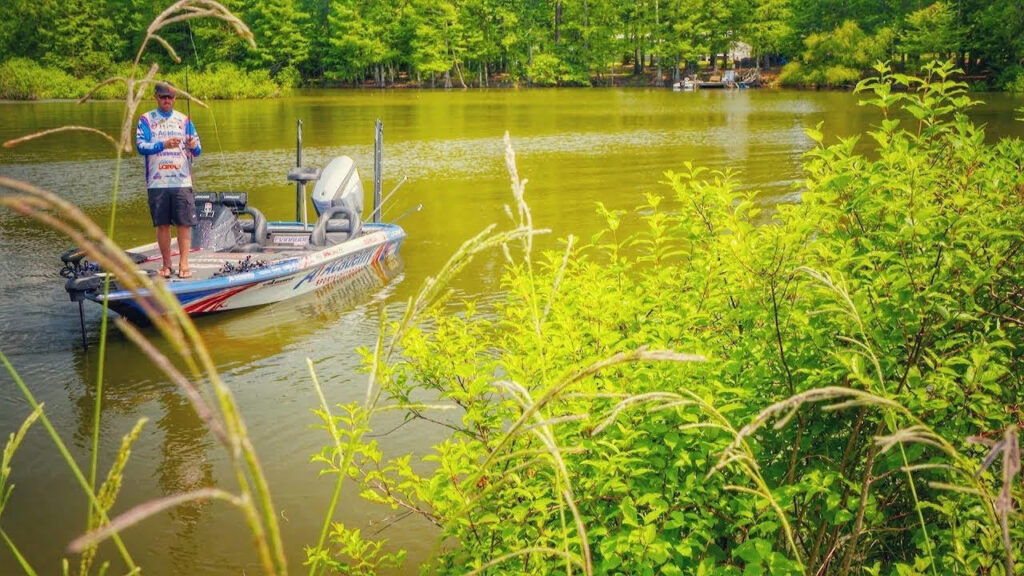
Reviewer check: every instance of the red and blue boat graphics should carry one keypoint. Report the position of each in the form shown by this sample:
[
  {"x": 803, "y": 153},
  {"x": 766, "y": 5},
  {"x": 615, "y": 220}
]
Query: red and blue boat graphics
[{"x": 298, "y": 273}]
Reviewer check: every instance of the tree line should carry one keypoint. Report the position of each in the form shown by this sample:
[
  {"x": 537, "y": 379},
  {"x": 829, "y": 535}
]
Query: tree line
[{"x": 539, "y": 42}]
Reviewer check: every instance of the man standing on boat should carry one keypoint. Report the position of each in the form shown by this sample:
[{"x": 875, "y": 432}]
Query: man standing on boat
[{"x": 168, "y": 140}]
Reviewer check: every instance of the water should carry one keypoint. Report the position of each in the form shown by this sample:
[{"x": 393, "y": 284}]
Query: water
[{"x": 576, "y": 147}]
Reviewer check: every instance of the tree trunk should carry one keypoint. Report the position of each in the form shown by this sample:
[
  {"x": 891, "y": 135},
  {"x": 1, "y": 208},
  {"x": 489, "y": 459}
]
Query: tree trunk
[
  {"x": 462, "y": 81},
  {"x": 558, "y": 22}
]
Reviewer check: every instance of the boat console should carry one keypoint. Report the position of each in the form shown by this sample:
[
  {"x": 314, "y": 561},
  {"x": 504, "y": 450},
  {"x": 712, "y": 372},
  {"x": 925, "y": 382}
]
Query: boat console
[{"x": 219, "y": 228}]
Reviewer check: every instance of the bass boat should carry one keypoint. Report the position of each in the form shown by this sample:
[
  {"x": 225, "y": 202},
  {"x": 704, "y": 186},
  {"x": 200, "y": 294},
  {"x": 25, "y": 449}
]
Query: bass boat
[{"x": 239, "y": 259}]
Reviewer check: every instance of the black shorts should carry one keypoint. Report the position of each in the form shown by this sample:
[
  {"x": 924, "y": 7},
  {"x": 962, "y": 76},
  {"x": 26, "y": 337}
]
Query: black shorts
[{"x": 172, "y": 206}]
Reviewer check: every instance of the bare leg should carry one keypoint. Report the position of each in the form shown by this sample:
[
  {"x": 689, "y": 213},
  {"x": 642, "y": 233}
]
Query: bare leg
[
  {"x": 163, "y": 240},
  {"x": 184, "y": 246}
]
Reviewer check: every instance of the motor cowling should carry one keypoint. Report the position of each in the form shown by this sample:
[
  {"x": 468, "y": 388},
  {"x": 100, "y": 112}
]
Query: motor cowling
[{"x": 339, "y": 185}]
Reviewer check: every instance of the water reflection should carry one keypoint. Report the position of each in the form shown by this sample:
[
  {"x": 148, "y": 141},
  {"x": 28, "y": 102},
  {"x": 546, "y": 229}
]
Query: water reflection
[
  {"x": 238, "y": 336},
  {"x": 176, "y": 453},
  {"x": 172, "y": 454}
]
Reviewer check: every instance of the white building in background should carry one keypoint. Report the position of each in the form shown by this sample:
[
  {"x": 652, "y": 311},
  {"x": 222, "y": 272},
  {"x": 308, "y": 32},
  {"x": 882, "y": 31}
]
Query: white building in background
[{"x": 740, "y": 51}]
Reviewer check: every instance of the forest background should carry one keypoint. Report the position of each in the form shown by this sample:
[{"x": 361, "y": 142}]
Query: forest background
[{"x": 60, "y": 48}]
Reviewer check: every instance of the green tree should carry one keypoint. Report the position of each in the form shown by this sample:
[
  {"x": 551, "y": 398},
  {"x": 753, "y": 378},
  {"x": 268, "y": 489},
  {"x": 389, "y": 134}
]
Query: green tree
[
  {"x": 997, "y": 34},
  {"x": 602, "y": 46},
  {"x": 721, "y": 22},
  {"x": 351, "y": 42},
  {"x": 589, "y": 34},
  {"x": 21, "y": 36},
  {"x": 438, "y": 40},
  {"x": 769, "y": 29},
  {"x": 840, "y": 57},
  {"x": 486, "y": 40},
  {"x": 80, "y": 37},
  {"x": 278, "y": 27},
  {"x": 932, "y": 31},
  {"x": 686, "y": 39},
  {"x": 635, "y": 31}
]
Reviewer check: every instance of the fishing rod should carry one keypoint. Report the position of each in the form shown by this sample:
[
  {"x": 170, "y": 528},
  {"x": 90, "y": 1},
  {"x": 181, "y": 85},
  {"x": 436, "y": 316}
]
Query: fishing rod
[
  {"x": 377, "y": 210},
  {"x": 415, "y": 208},
  {"x": 188, "y": 101}
]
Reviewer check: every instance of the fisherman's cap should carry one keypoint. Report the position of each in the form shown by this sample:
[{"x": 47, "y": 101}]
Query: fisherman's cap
[{"x": 164, "y": 89}]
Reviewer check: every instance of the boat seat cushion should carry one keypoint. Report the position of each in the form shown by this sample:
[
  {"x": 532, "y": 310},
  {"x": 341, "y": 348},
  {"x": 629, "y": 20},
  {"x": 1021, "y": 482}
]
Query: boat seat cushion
[
  {"x": 257, "y": 227},
  {"x": 339, "y": 221}
]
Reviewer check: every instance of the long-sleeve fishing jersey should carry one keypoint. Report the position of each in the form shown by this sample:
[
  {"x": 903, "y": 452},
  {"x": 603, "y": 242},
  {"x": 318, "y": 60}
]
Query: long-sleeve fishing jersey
[{"x": 170, "y": 168}]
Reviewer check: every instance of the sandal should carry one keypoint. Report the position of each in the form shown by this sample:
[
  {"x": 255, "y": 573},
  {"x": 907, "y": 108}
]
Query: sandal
[
  {"x": 185, "y": 273},
  {"x": 165, "y": 272}
]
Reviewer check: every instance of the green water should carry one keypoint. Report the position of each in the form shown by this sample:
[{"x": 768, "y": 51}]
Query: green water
[{"x": 443, "y": 150}]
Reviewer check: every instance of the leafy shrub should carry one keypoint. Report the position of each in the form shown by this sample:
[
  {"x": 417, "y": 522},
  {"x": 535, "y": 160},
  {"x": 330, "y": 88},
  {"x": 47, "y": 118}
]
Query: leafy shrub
[
  {"x": 23, "y": 79},
  {"x": 1012, "y": 79},
  {"x": 288, "y": 78},
  {"x": 589, "y": 437},
  {"x": 227, "y": 81},
  {"x": 543, "y": 70},
  {"x": 550, "y": 70},
  {"x": 839, "y": 57},
  {"x": 841, "y": 76},
  {"x": 792, "y": 75}
]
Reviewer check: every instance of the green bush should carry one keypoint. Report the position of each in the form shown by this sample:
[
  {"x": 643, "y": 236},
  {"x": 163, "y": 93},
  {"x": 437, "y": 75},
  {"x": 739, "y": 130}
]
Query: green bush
[
  {"x": 841, "y": 76},
  {"x": 543, "y": 70},
  {"x": 226, "y": 82},
  {"x": 549, "y": 70},
  {"x": 288, "y": 78},
  {"x": 588, "y": 435},
  {"x": 23, "y": 79},
  {"x": 791, "y": 75},
  {"x": 1012, "y": 79},
  {"x": 837, "y": 58}
]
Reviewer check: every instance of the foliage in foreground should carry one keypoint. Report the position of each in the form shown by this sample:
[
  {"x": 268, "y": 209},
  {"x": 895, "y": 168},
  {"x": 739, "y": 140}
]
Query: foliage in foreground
[{"x": 858, "y": 409}]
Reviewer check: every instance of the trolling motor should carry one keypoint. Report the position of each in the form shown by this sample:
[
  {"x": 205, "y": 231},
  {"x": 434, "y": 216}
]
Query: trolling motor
[
  {"x": 84, "y": 276},
  {"x": 75, "y": 265}
]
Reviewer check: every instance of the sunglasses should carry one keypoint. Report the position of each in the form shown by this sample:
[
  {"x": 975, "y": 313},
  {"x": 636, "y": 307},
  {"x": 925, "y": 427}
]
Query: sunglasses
[{"x": 166, "y": 97}]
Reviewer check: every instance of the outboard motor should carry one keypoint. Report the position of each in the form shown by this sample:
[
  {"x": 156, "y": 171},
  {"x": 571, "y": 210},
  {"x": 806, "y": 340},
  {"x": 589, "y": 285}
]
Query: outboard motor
[
  {"x": 338, "y": 199},
  {"x": 339, "y": 185}
]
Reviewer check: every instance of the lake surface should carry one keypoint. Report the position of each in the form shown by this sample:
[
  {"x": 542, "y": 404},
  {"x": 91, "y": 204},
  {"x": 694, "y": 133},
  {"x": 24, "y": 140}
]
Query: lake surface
[{"x": 576, "y": 148}]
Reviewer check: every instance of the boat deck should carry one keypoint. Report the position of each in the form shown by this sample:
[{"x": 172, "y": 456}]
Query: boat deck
[{"x": 206, "y": 264}]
